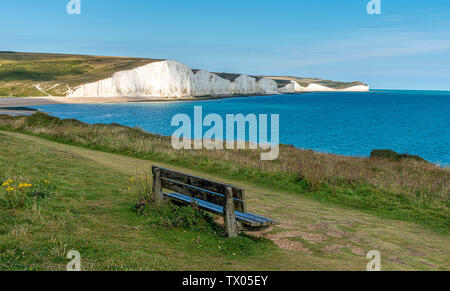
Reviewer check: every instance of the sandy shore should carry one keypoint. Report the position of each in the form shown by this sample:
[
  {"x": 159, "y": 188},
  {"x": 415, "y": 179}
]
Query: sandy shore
[{"x": 34, "y": 101}]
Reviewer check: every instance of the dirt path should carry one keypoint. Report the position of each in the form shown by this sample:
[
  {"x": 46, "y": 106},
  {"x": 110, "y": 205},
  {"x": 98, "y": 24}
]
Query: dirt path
[
  {"x": 309, "y": 227},
  {"x": 38, "y": 87}
]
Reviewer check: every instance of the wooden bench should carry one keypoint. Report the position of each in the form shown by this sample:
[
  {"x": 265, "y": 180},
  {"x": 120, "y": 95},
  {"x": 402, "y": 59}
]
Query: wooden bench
[{"x": 214, "y": 197}]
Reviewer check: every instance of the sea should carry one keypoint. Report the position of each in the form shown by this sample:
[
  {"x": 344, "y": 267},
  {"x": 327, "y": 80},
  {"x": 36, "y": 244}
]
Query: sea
[{"x": 344, "y": 123}]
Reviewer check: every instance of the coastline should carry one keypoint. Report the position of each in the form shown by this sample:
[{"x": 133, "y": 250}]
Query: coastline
[
  {"x": 17, "y": 105},
  {"x": 52, "y": 100}
]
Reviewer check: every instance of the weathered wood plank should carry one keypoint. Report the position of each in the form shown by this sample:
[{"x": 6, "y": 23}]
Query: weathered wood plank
[
  {"x": 199, "y": 193},
  {"x": 216, "y": 187},
  {"x": 229, "y": 215},
  {"x": 209, "y": 196},
  {"x": 157, "y": 187}
]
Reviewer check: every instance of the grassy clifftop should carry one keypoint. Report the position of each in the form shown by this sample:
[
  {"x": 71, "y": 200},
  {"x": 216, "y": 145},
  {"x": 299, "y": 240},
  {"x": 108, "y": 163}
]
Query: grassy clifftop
[
  {"x": 282, "y": 81},
  {"x": 404, "y": 189},
  {"x": 36, "y": 74},
  {"x": 33, "y": 74},
  {"x": 56, "y": 197}
]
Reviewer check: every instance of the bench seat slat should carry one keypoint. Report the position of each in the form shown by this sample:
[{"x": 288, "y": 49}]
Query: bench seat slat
[
  {"x": 200, "y": 182},
  {"x": 200, "y": 193},
  {"x": 245, "y": 218}
]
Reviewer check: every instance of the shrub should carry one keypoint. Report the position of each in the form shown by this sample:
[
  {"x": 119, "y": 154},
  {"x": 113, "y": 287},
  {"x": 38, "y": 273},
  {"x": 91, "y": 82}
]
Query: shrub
[
  {"x": 41, "y": 119},
  {"x": 391, "y": 155}
]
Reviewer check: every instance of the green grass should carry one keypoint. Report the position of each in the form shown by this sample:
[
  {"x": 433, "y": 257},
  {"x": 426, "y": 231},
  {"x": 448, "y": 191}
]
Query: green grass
[
  {"x": 88, "y": 207},
  {"x": 20, "y": 72},
  {"x": 407, "y": 190}
]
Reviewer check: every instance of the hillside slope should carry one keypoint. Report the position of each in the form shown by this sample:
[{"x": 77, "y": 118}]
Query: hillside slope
[
  {"x": 30, "y": 74},
  {"x": 90, "y": 211},
  {"x": 34, "y": 74}
]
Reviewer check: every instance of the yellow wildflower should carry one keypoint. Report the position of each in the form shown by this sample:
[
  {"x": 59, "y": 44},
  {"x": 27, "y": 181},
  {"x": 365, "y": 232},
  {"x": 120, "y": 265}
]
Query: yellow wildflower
[
  {"x": 46, "y": 181},
  {"x": 5, "y": 184},
  {"x": 9, "y": 181},
  {"x": 24, "y": 185},
  {"x": 10, "y": 189}
]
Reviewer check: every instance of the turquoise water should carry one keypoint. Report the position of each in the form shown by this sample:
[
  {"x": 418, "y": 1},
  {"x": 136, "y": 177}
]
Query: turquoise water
[{"x": 414, "y": 122}]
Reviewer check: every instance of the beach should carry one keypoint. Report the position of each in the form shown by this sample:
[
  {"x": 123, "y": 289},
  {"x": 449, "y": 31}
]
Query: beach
[
  {"x": 35, "y": 101},
  {"x": 14, "y": 105}
]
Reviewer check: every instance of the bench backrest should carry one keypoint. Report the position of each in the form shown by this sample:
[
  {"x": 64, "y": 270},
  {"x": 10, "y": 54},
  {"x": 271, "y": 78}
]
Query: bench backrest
[{"x": 200, "y": 188}]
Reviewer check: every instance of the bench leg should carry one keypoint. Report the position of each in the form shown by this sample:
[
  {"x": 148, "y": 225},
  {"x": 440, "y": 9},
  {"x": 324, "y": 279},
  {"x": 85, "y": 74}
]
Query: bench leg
[
  {"x": 229, "y": 215},
  {"x": 157, "y": 188}
]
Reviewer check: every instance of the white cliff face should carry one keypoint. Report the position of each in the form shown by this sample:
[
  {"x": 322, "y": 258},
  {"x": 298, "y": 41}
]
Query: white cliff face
[
  {"x": 318, "y": 88},
  {"x": 244, "y": 84},
  {"x": 294, "y": 87},
  {"x": 266, "y": 86},
  {"x": 289, "y": 88},
  {"x": 208, "y": 84},
  {"x": 299, "y": 88},
  {"x": 159, "y": 79},
  {"x": 359, "y": 88},
  {"x": 171, "y": 79}
]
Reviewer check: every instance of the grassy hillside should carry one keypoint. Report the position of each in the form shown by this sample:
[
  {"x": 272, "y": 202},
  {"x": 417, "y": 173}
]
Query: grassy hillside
[
  {"x": 31, "y": 74},
  {"x": 34, "y": 74},
  {"x": 79, "y": 199},
  {"x": 405, "y": 189}
]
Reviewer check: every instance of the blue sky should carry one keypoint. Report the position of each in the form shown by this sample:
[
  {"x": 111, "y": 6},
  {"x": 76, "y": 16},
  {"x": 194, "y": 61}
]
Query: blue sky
[{"x": 406, "y": 47}]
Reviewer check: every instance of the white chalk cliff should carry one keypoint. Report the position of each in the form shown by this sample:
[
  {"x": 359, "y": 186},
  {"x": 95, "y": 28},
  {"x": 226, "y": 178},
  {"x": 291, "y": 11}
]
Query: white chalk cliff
[
  {"x": 359, "y": 88},
  {"x": 294, "y": 87},
  {"x": 171, "y": 79},
  {"x": 208, "y": 84}
]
